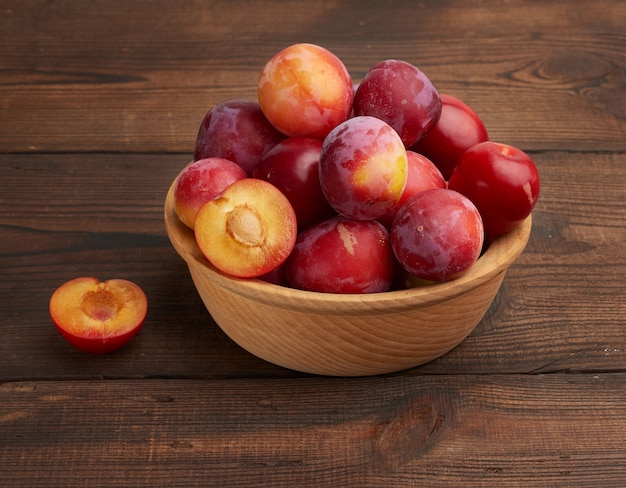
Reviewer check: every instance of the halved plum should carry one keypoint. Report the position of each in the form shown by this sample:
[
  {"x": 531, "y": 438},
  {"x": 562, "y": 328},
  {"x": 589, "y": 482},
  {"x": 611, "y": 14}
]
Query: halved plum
[
  {"x": 249, "y": 230},
  {"x": 98, "y": 316}
]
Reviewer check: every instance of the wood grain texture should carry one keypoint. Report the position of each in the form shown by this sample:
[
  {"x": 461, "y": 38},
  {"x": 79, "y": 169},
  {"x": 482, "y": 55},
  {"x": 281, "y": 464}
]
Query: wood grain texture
[
  {"x": 543, "y": 75},
  {"x": 470, "y": 431}
]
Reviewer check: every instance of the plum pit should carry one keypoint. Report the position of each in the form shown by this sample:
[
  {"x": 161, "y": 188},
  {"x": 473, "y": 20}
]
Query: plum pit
[
  {"x": 246, "y": 226},
  {"x": 100, "y": 304}
]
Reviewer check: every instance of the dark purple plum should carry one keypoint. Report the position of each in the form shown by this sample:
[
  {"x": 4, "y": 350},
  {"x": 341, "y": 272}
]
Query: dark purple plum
[
  {"x": 236, "y": 130},
  {"x": 402, "y": 95}
]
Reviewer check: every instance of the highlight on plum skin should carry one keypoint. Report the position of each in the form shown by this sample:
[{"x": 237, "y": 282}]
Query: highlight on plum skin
[{"x": 98, "y": 316}]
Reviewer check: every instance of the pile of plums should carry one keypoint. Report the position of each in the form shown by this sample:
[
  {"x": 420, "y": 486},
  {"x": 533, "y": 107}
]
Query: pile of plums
[{"x": 328, "y": 185}]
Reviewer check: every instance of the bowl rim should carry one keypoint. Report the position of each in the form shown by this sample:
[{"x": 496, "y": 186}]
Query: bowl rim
[{"x": 500, "y": 254}]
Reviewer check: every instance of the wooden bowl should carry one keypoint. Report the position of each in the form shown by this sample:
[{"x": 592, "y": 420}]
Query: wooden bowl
[{"x": 347, "y": 335}]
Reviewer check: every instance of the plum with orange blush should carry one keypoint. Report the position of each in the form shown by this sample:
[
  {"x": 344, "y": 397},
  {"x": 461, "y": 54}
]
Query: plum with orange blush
[
  {"x": 363, "y": 168},
  {"x": 98, "y": 316},
  {"x": 305, "y": 90}
]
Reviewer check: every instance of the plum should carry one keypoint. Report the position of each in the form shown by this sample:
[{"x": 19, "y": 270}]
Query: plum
[
  {"x": 236, "y": 130},
  {"x": 247, "y": 231},
  {"x": 305, "y": 90},
  {"x": 363, "y": 168},
  {"x": 457, "y": 129},
  {"x": 437, "y": 235},
  {"x": 341, "y": 255},
  {"x": 292, "y": 166},
  {"x": 402, "y": 95},
  {"x": 501, "y": 180},
  {"x": 201, "y": 181},
  {"x": 98, "y": 316}
]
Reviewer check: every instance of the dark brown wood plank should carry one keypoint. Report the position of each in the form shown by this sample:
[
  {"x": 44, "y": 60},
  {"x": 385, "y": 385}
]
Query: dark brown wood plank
[
  {"x": 543, "y": 75},
  {"x": 442, "y": 431},
  {"x": 562, "y": 306}
]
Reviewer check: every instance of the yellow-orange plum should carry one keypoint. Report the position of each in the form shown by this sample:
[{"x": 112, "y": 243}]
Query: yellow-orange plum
[
  {"x": 305, "y": 90},
  {"x": 98, "y": 316},
  {"x": 249, "y": 230}
]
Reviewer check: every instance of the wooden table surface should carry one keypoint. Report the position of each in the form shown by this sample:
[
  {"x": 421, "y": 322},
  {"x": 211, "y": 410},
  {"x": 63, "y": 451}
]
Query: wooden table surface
[{"x": 100, "y": 103}]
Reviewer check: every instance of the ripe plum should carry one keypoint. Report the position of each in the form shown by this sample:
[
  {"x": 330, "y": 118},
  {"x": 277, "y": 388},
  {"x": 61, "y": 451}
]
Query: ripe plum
[
  {"x": 501, "y": 180},
  {"x": 292, "y": 166},
  {"x": 402, "y": 95},
  {"x": 437, "y": 234},
  {"x": 236, "y": 130},
  {"x": 305, "y": 90},
  {"x": 248, "y": 230},
  {"x": 201, "y": 181},
  {"x": 98, "y": 316},
  {"x": 457, "y": 129},
  {"x": 363, "y": 168},
  {"x": 341, "y": 255}
]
